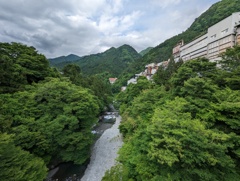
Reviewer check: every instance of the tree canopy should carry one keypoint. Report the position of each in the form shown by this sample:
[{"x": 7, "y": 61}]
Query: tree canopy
[
  {"x": 17, "y": 164},
  {"x": 45, "y": 117},
  {"x": 184, "y": 127},
  {"x": 21, "y": 65}
]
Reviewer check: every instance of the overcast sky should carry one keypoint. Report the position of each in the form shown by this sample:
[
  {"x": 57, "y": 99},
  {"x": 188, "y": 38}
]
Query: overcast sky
[{"x": 82, "y": 27}]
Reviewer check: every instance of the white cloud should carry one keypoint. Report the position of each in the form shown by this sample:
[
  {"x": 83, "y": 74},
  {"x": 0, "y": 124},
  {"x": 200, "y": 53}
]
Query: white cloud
[
  {"x": 117, "y": 24},
  {"x": 62, "y": 27},
  {"x": 165, "y": 3}
]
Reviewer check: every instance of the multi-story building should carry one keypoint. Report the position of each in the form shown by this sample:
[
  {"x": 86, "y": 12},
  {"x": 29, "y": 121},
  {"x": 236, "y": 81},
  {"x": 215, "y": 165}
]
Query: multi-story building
[
  {"x": 176, "y": 50},
  {"x": 225, "y": 34}
]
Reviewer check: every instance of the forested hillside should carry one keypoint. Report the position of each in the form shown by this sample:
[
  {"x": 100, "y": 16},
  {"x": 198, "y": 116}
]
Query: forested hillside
[
  {"x": 70, "y": 58},
  {"x": 145, "y": 51},
  {"x": 111, "y": 62},
  {"x": 45, "y": 117},
  {"x": 183, "y": 127},
  {"x": 163, "y": 51}
]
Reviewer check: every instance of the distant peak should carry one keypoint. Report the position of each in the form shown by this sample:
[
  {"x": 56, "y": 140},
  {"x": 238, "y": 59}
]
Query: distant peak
[
  {"x": 125, "y": 45},
  {"x": 110, "y": 49},
  {"x": 72, "y": 55}
]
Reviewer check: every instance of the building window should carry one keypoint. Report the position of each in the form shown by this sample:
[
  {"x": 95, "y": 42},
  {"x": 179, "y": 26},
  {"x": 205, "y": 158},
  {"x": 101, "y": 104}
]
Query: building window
[
  {"x": 225, "y": 31},
  {"x": 213, "y": 36}
]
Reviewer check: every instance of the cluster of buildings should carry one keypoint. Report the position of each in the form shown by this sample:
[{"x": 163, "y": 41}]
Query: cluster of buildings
[
  {"x": 149, "y": 71},
  {"x": 225, "y": 34}
]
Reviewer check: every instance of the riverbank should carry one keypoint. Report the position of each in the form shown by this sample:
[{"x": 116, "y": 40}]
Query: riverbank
[{"x": 104, "y": 153}]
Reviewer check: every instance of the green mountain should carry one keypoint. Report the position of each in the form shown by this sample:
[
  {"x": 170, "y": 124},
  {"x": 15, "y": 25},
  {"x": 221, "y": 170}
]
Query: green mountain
[
  {"x": 112, "y": 62},
  {"x": 163, "y": 51},
  {"x": 145, "y": 51},
  {"x": 69, "y": 58}
]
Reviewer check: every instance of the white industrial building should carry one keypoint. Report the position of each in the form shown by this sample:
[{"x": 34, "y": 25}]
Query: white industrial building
[{"x": 225, "y": 34}]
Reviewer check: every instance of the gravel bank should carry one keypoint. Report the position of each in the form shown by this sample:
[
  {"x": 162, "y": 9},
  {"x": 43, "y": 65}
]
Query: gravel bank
[{"x": 104, "y": 153}]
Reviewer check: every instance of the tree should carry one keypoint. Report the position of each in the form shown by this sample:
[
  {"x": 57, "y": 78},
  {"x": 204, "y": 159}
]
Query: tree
[
  {"x": 186, "y": 149},
  {"x": 199, "y": 93},
  {"x": 194, "y": 68},
  {"x": 21, "y": 65},
  {"x": 174, "y": 146},
  {"x": 116, "y": 173},
  {"x": 164, "y": 74},
  {"x": 161, "y": 77},
  {"x": 19, "y": 165},
  {"x": 52, "y": 120},
  {"x": 133, "y": 90},
  {"x": 101, "y": 89},
  {"x": 230, "y": 66},
  {"x": 231, "y": 79},
  {"x": 74, "y": 73},
  {"x": 231, "y": 58},
  {"x": 141, "y": 110}
]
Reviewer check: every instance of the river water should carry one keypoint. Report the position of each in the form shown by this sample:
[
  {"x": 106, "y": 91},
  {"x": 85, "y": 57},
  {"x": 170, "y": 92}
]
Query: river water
[{"x": 104, "y": 153}]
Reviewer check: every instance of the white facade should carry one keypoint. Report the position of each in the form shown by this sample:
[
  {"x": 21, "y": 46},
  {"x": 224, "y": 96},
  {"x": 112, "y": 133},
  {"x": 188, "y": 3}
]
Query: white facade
[
  {"x": 225, "y": 34},
  {"x": 132, "y": 81},
  {"x": 194, "y": 49},
  {"x": 222, "y": 35}
]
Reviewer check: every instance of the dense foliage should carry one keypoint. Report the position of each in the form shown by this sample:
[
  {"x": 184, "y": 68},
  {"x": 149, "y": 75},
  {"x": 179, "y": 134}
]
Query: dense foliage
[
  {"x": 70, "y": 58},
  {"x": 186, "y": 127},
  {"x": 20, "y": 66},
  {"x": 17, "y": 164},
  {"x": 52, "y": 119},
  {"x": 98, "y": 84},
  {"x": 145, "y": 51},
  {"x": 45, "y": 117}
]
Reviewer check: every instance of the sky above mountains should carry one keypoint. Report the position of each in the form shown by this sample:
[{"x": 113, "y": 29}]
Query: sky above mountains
[{"x": 82, "y": 27}]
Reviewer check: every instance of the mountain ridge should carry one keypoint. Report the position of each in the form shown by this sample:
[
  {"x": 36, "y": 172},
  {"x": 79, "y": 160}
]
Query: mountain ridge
[
  {"x": 145, "y": 51},
  {"x": 112, "y": 61},
  {"x": 68, "y": 58}
]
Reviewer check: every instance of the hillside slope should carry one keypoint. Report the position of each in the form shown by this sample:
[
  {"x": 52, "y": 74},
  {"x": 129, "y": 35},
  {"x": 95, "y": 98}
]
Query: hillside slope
[
  {"x": 57, "y": 60},
  {"x": 145, "y": 51},
  {"x": 112, "y": 62}
]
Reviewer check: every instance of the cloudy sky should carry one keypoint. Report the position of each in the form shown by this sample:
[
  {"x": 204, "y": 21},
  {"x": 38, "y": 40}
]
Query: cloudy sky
[{"x": 82, "y": 27}]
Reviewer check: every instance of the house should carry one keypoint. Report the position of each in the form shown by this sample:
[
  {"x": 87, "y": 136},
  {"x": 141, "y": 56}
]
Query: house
[
  {"x": 123, "y": 88},
  {"x": 132, "y": 81},
  {"x": 112, "y": 80}
]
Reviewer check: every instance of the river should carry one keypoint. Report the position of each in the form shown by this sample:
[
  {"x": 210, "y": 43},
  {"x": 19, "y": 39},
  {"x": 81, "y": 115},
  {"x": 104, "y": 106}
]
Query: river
[{"x": 104, "y": 153}]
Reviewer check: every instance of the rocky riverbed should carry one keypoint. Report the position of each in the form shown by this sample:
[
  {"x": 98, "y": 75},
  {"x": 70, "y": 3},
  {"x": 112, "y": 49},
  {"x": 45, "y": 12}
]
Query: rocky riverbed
[{"x": 104, "y": 153}]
